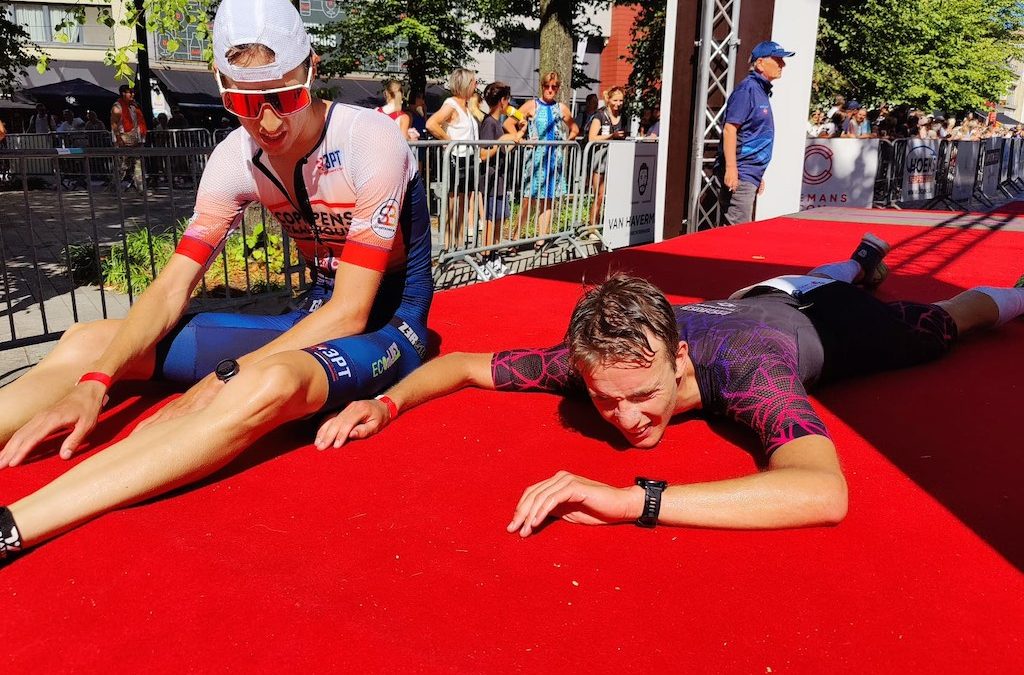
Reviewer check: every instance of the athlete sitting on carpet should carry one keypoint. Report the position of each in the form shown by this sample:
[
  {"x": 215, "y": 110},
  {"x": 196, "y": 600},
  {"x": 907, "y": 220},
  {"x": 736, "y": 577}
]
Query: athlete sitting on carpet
[
  {"x": 643, "y": 361},
  {"x": 343, "y": 184}
]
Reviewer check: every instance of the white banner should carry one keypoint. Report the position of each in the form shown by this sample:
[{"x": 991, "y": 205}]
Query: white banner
[
  {"x": 993, "y": 150},
  {"x": 630, "y": 193},
  {"x": 965, "y": 167},
  {"x": 839, "y": 172},
  {"x": 919, "y": 170}
]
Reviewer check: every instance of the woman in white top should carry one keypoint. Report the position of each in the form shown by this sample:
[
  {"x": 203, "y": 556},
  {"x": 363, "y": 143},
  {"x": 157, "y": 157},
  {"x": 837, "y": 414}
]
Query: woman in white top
[{"x": 454, "y": 122}]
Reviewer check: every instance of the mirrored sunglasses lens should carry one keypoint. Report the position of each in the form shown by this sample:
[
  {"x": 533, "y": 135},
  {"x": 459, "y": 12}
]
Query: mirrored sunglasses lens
[
  {"x": 288, "y": 102},
  {"x": 243, "y": 105},
  {"x": 250, "y": 105}
]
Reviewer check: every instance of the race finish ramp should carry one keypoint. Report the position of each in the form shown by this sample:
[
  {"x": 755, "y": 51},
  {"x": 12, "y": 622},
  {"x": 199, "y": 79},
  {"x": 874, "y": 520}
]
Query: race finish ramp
[{"x": 390, "y": 555}]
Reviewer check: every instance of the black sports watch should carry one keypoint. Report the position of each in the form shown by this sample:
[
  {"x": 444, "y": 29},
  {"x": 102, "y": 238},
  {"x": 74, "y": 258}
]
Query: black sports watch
[
  {"x": 226, "y": 369},
  {"x": 652, "y": 500}
]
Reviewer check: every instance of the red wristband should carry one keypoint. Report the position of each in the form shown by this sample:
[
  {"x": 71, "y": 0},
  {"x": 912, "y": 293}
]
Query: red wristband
[
  {"x": 392, "y": 408},
  {"x": 102, "y": 378}
]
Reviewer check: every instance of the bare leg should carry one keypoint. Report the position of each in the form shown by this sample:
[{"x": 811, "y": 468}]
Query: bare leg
[
  {"x": 522, "y": 219},
  {"x": 53, "y": 377},
  {"x": 971, "y": 310},
  {"x": 164, "y": 456},
  {"x": 544, "y": 218},
  {"x": 597, "y": 184}
]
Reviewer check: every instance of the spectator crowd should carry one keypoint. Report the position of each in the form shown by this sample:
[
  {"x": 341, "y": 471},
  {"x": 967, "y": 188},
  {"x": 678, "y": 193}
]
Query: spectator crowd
[{"x": 850, "y": 119}]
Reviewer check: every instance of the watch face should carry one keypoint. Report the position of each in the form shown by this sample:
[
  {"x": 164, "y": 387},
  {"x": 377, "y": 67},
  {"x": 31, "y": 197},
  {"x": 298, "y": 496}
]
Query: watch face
[{"x": 226, "y": 369}]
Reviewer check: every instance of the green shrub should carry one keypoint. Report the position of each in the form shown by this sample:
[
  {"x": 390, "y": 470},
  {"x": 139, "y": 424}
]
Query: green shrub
[
  {"x": 570, "y": 214},
  {"x": 136, "y": 261},
  {"x": 131, "y": 261},
  {"x": 81, "y": 260}
]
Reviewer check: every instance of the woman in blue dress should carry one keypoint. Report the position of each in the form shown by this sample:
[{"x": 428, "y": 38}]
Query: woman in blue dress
[{"x": 547, "y": 120}]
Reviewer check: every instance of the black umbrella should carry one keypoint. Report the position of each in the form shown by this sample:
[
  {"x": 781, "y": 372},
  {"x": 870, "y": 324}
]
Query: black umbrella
[{"x": 75, "y": 94}]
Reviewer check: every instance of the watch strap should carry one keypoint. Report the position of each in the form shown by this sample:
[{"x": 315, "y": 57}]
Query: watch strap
[{"x": 652, "y": 500}]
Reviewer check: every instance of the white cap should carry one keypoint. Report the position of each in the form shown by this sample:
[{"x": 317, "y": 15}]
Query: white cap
[{"x": 275, "y": 24}]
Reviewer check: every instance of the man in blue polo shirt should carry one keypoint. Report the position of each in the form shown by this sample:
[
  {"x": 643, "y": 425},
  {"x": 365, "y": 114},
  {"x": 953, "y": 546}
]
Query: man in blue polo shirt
[{"x": 749, "y": 134}]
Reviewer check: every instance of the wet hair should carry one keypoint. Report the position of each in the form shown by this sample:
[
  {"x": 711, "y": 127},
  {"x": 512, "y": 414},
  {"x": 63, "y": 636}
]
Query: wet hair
[
  {"x": 496, "y": 91},
  {"x": 243, "y": 55},
  {"x": 123, "y": 88},
  {"x": 611, "y": 322},
  {"x": 460, "y": 82}
]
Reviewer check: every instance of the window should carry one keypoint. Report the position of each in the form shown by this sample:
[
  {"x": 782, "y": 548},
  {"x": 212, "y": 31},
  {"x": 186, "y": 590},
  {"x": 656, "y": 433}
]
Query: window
[{"x": 40, "y": 21}]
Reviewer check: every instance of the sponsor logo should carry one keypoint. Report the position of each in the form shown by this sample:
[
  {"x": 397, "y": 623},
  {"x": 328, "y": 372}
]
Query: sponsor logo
[
  {"x": 409, "y": 333},
  {"x": 330, "y": 161},
  {"x": 817, "y": 164},
  {"x": 328, "y": 223},
  {"x": 384, "y": 221},
  {"x": 811, "y": 200},
  {"x": 643, "y": 177},
  {"x": 379, "y": 366},
  {"x": 921, "y": 159},
  {"x": 706, "y": 309},
  {"x": 335, "y": 359},
  {"x": 635, "y": 222}
]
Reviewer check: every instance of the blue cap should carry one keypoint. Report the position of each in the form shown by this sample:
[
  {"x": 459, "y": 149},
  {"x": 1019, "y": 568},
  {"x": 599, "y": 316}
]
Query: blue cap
[
  {"x": 768, "y": 48},
  {"x": 852, "y": 105}
]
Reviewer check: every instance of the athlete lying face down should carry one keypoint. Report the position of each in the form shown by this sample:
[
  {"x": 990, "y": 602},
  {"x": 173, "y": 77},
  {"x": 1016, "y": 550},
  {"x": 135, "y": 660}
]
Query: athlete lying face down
[{"x": 750, "y": 359}]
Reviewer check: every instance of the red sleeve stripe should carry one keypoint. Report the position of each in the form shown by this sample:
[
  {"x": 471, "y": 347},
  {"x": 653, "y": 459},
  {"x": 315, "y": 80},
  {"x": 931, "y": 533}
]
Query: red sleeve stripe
[
  {"x": 197, "y": 250},
  {"x": 365, "y": 256}
]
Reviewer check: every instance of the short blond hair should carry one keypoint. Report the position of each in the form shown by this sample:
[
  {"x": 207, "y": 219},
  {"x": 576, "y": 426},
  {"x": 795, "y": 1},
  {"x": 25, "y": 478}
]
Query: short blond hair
[{"x": 460, "y": 82}]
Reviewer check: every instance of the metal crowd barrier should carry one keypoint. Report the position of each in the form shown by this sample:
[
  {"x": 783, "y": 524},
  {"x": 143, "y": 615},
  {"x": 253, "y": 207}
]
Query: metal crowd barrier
[
  {"x": 102, "y": 168},
  {"x": 429, "y": 156},
  {"x": 70, "y": 206},
  {"x": 503, "y": 197},
  {"x": 997, "y": 169},
  {"x": 57, "y": 244}
]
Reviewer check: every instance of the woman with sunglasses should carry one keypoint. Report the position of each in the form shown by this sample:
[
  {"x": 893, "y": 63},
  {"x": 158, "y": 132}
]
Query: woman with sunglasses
[
  {"x": 342, "y": 183},
  {"x": 547, "y": 120}
]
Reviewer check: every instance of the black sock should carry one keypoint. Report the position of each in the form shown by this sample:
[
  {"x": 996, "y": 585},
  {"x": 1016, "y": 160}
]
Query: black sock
[{"x": 10, "y": 538}]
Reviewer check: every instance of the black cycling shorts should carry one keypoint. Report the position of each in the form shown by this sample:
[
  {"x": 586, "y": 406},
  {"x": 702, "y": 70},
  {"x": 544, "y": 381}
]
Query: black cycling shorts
[{"x": 861, "y": 334}]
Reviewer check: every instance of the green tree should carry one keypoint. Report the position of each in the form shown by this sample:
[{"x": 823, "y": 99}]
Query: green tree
[
  {"x": 951, "y": 54},
  {"x": 556, "y": 41},
  {"x": 646, "y": 54},
  {"x": 16, "y": 54},
  {"x": 429, "y": 37}
]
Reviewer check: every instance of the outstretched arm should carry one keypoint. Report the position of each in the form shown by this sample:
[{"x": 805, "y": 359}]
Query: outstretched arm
[
  {"x": 436, "y": 378},
  {"x": 803, "y": 486},
  {"x": 129, "y": 354}
]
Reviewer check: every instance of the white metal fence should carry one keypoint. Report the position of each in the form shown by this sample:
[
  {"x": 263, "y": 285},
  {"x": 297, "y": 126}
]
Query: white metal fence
[{"x": 73, "y": 207}]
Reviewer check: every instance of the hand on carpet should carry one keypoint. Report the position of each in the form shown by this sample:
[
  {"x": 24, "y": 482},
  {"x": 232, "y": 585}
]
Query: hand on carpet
[
  {"x": 77, "y": 411},
  {"x": 360, "y": 419},
  {"x": 198, "y": 397},
  {"x": 577, "y": 500}
]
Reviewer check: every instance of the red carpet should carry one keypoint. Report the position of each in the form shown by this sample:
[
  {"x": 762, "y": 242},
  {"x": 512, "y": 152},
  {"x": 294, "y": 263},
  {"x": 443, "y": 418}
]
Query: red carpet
[{"x": 390, "y": 555}]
